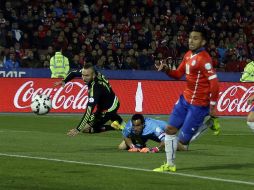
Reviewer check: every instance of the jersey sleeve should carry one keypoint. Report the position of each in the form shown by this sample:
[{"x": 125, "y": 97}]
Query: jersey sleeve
[
  {"x": 159, "y": 131},
  {"x": 210, "y": 73},
  {"x": 72, "y": 75},
  {"x": 93, "y": 98},
  {"x": 127, "y": 130}
]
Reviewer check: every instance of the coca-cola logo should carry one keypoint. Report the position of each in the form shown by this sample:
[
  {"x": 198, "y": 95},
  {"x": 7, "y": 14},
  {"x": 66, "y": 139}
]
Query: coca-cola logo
[
  {"x": 235, "y": 98},
  {"x": 61, "y": 97},
  {"x": 74, "y": 96}
]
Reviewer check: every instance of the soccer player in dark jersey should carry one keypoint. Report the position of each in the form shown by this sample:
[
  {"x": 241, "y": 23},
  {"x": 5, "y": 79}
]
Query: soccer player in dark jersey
[
  {"x": 100, "y": 95},
  {"x": 198, "y": 99}
]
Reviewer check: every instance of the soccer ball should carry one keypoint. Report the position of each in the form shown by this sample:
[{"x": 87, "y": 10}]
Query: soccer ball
[{"x": 41, "y": 104}]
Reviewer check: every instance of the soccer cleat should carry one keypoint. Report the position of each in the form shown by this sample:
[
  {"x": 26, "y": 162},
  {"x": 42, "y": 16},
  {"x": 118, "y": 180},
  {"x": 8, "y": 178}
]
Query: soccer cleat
[
  {"x": 117, "y": 126},
  {"x": 165, "y": 168},
  {"x": 216, "y": 126}
]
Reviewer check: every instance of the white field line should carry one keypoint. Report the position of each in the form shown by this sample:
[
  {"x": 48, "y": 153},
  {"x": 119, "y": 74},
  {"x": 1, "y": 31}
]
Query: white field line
[
  {"x": 129, "y": 168},
  {"x": 223, "y": 134}
]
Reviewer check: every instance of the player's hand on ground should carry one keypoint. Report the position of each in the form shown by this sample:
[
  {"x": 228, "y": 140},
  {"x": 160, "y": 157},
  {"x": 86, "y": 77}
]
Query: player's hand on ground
[
  {"x": 150, "y": 150},
  {"x": 145, "y": 150},
  {"x": 57, "y": 83},
  {"x": 73, "y": 132},
  {"x": 134, "y": 149},
  {"x": 154, "y": 150}
]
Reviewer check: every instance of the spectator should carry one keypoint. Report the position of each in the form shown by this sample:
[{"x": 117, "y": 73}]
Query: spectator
[
  {"x": 28, "y": 60},
  {"x": 124, "y": 25},
  {"x": 144, "y": 61},
  {"x": 11, "y": 62},
  {"x": 2, "y": 57},
  {"x": 75, "y": 64}
]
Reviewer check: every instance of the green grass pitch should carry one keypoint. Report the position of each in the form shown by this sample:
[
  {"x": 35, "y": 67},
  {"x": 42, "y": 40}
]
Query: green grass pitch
[{"x": 36, "y": 153}]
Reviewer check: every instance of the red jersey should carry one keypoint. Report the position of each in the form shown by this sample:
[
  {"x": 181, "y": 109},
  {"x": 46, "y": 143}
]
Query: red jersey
[{"x": 202, "y": 84}]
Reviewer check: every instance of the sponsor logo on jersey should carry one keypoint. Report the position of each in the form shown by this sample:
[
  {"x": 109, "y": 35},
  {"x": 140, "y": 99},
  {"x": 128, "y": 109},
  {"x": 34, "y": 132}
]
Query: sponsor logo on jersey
[
  {"x": 91, "y": 100},
  {"x": 208, "y": 66},
  {"x": 193, "y": 63}
]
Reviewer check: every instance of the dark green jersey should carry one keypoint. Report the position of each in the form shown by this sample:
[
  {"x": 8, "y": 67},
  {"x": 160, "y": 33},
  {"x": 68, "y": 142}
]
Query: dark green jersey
[{"x": 100, "y": 96}]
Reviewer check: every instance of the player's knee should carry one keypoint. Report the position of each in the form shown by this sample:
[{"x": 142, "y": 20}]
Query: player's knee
[
  {"x": 171, "y": 130},
  {"x": 122, "y": 146},
  {"x": 250, "y": 124},
  {"x": 182, "y": 147},
  {"x": 250, "y": 117},
  {"x": 89, "y": 130}
]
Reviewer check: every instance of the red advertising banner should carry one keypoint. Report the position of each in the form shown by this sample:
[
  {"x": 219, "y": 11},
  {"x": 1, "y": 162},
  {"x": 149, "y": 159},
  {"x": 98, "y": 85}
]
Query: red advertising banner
[{"x": 144, "y": 96}]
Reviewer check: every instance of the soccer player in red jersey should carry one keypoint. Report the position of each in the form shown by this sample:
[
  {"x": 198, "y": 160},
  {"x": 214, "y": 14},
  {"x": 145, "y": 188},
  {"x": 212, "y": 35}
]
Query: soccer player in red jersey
[{"x": 198, "y": 99}]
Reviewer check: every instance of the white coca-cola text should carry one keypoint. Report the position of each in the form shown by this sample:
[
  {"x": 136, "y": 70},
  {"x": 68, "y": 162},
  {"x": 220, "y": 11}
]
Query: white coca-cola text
[
  {"x": 61, "y": 97},
  {"x": 235, "y": 98}
]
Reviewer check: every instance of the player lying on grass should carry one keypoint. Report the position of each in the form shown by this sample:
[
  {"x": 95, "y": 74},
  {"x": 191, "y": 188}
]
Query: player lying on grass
[
  {"x": 100, "y": 96},
  {"x": 139, "y": 130}
]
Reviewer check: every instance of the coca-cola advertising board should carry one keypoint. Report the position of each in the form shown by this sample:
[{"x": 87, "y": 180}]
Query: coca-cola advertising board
[{"x": 144, "y": 96}]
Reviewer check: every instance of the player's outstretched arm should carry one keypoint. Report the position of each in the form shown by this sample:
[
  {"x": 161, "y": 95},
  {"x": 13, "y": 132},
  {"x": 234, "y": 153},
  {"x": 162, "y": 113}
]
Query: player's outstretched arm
[
  {"x": 132, "y": 147},
  {"x": 61, "y": 82}
]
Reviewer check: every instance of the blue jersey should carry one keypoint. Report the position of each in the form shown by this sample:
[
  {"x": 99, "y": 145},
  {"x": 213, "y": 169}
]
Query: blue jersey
[{"x": 153, "y": 130}]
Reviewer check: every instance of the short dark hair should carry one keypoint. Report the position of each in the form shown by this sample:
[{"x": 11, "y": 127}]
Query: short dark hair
[
  {"x": 201, "y": 29},
  {"x": 88, "y": 66},
  {"x": 137, "y": 117}
]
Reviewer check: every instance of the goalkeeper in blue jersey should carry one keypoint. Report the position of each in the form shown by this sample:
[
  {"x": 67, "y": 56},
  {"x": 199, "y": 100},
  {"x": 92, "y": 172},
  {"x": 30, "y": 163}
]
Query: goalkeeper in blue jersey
[{"x": 139, "y": 130}]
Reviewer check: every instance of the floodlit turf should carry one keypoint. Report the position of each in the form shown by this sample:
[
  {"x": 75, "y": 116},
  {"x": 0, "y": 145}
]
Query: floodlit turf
[{"x": 35, "y": 153}]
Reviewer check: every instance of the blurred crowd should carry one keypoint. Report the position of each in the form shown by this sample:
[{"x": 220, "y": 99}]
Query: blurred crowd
[{"x": 120, "y": 34}]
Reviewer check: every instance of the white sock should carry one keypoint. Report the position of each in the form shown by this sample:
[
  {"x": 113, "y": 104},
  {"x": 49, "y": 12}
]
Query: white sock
[
  {"x": 170, "y": 148},
  {"x": 251, "y": 125}
]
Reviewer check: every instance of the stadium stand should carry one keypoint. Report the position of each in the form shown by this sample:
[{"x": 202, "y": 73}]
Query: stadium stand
[{"x": 120, "y": 35}]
